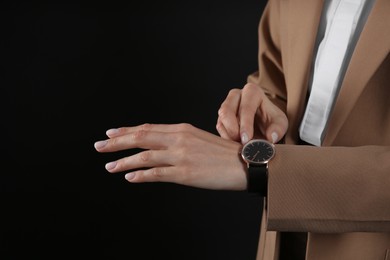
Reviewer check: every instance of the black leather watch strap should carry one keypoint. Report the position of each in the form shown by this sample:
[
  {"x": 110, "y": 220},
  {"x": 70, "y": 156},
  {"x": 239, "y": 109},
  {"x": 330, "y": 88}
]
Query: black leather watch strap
[{"x": 258, "y": 179}]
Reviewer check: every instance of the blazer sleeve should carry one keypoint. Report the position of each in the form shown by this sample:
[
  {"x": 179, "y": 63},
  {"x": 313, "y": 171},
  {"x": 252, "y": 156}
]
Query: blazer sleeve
[
  {"x": 318, "y": 189},
  {"x": 329, "y": 189}
]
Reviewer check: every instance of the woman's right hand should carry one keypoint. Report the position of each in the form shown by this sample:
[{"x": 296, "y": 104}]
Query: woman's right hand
[{"x": 248, "y": 113}]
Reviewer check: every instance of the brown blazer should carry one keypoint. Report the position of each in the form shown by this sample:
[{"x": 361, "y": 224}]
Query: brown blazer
[{"x": 339, "y": 193}]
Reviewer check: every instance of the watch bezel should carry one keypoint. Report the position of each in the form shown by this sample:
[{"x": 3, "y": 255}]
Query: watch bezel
[{"x": 248, "y": 160}]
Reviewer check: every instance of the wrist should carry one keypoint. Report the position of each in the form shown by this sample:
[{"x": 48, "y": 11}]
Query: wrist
[{"x": 256, "y": 154}]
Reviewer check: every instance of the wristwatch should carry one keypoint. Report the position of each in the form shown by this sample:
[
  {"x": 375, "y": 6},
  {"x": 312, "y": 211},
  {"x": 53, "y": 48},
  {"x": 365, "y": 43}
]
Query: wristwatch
[{"x": 257, "y": 153}]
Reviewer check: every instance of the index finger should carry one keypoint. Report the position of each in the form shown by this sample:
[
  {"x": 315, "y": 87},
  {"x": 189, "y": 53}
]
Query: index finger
[
  {"x": 164, "y": 128},
  {"x": 137, "y": 139},
  {"x": 251, "y": 99}
]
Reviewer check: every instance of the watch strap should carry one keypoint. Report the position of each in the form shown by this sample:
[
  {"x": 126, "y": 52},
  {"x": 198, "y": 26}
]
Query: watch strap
[{"x": 258, "y": 179}]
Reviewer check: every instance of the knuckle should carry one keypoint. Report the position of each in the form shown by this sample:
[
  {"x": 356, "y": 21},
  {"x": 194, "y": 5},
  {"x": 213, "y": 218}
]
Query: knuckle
[
  {"x": 183, "y": 138},
  {"x": 121, "y": 130},
  {"x": 218, "y": 126},
  {"x": 139, "y": 134},
  {"x": 180, "y": 140},
  {"x": 158, "y": 172},
  {"x": 184, "y": 127},
  {"x": 113, "y": 142},
  {"x": 145, "y": 156},
  {"x": 146, "y": 127},
  {"x": 119, "y": 165},
  {"x": 223, "y": 112},
  {"x": 253, "y": 89},
  {"x": 181, "y": 155},
  {"x": 248, "y": 86},
  {"x": 184, "y": 157},
  {"x": 234, "y": 91}
]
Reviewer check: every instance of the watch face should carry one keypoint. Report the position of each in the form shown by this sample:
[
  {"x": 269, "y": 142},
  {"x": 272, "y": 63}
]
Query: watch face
[{"x": 258, "y": 151}]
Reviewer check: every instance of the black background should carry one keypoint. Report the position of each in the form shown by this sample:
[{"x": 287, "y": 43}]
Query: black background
[{"x": 72, "y": 70}]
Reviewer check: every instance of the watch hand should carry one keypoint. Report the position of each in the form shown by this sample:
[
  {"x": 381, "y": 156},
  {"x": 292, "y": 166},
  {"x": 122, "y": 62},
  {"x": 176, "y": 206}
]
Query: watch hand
[{"x": 254, "y": 156}]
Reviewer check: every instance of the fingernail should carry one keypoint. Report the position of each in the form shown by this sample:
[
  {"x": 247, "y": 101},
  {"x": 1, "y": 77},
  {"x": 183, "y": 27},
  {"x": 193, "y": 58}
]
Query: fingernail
[
  {"x": 110, "y": 166},
  {"x": 244, "y": 138},
  {"x": 129, "y": 176},
  {"x": 112, "y": 131},
  {"x": 100, "y": 144},
  {"x": 275, "y": 137}
]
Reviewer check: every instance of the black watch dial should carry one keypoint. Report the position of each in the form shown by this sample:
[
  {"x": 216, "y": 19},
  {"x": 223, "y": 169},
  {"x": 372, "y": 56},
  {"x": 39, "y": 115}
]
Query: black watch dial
[{"x": 258, "y": 151}]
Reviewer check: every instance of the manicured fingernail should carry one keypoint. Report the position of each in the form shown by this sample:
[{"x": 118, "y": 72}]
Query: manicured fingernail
[
  {"x": 129, "y": 176},
  {"x": 244, "y": 138},
  {"x": 112, "y": 131},
  {"x": 275, "y": 137},
  {"x": 110, "y": 166},
  {"x": 100, "y": 144}
]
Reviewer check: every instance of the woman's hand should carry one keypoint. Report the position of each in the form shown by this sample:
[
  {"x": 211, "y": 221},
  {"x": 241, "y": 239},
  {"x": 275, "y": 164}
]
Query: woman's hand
[
  {"x": 177, "y": 153},
  {"x": 248, "y": 113}
]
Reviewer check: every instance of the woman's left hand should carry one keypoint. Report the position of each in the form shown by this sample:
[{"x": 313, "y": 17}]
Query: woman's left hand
[{"x": 176, "y": 153}]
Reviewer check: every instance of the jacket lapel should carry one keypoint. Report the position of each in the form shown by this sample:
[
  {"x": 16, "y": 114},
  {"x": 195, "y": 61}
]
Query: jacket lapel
[
  {"x": 301, "y": 19},
  {"x": 371, "y": 49}
]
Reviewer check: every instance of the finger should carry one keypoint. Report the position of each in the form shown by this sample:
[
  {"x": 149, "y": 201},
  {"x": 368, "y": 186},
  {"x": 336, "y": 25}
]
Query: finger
[
  {"x": 163, "y": 128},
  {"x": 251, "y": 98},
  {"x": 222, "y": 131},
  {"x": 274, "y": 121},
  {"x": 115, "y": 132},
  {"x": 274, "y": 132},
  {"x": 156, "y": 174},
  {"x": 227, "y": 114},
  {"x": 138, "y": 139},
  {"x": 277, "y": 129},
  {"x": 145, "y": 159}
]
